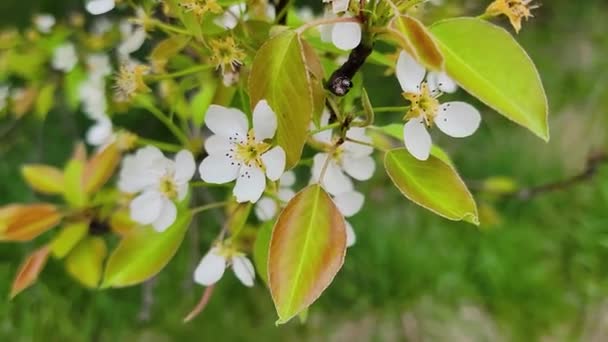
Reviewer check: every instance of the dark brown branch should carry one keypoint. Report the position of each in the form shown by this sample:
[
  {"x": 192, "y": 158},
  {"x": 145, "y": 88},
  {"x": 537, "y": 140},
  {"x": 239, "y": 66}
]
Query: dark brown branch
[
  {"x": 340, "y": 81},
  {"x": 593, "y": 163}
]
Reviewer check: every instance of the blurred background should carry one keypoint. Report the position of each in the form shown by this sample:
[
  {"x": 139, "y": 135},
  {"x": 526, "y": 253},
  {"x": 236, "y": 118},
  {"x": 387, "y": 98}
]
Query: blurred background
[{"x": 536, "y": 270}]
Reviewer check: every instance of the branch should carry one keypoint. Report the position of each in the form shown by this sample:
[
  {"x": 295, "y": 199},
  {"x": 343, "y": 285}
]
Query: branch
[
  {"x": 340, "y": 81},
  {"x": 594, "y": 161}
]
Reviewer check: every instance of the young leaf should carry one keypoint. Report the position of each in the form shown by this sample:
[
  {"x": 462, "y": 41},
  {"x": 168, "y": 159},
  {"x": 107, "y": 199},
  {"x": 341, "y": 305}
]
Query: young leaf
[
  {"x": 100, "y": 168},
  {"x": 260, "y": 249},
  {"x": 487, "y": 61},
  {"x": 416, "y": 39},
  {"x": 45, "y": 101},
  {"x": 316, "y": 74},
  {"x": 73, "y": 191},
  {"x": 42, "y": 178},
  {"x": 85, "y": 261},
  {"x": 26, "y": 222},
  {"x": 306, "y": 252},
  {"x": 68, "y": 237},
  {"x": 29, "y": 270},
  {"x": 143, "y": 252},
  {"x": 432, "y": 184},
  {"x": 280, "y": 76}
]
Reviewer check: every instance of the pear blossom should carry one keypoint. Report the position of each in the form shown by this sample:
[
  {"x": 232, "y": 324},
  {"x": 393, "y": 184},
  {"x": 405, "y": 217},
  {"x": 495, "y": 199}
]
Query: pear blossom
[
  {"x": 345, "y": 36},
  {"x": 97, "y": 7},
  {"x": 64, "y": 57},
  {"x": 44, "y": 22},
  {"x": 267, "y": 208},
  {"x": 456, "y": 119},
  {"x": 212, "y": 266},
  {"x": 236, "y": 152},
  {"x": 101, "y": 133},
  {"x": 133, "y": 36},
  {"x": 349, "y": 203},
  {"x": 159, "y": 182},
  {"x": 349, "y": 160}
]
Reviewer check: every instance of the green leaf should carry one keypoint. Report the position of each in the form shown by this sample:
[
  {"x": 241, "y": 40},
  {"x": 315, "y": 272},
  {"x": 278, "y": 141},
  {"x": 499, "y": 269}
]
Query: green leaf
[
  {"x": 260, "y": 249},
  {"x": 279, "y": 75},
  {"x": 68, "y": 237},
  {"x": 165, "y": 50},
  {"x": 203, "y": 99},
  {"x": 143, "y": 252},
  {"x": 432, "y": 184},
  {"x": 45, "y": 101},
  {"x": 100, "y": 168},
  {"x": 74, "y": 190},
  {"x": 306, "y": 252},
  {"x": 487, "y": 61},
  {"x": 85, "y": 261},
  {"x": 71, "y": 85},
  {"x": 42, "y": 178},
  {"x": 416, "y": 39}
]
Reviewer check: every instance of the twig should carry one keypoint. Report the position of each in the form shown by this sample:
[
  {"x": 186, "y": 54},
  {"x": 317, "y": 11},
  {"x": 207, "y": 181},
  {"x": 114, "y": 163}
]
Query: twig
[
  {"x": 201, "y": 304},
  {"x": 593, "y": 163},
  {"x": 340, "y": 81}
]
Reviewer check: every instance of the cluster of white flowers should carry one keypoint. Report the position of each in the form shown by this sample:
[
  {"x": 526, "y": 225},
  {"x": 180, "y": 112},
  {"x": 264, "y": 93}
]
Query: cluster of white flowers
[
  {"x": 93, "y": 97},
  {"x": 456, "y": 119},
  {"x": 159, "y": 181},
  {"x": 64, "y": 57}
]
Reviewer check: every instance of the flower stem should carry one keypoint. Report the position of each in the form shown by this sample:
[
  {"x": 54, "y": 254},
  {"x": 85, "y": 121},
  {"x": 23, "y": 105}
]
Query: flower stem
[
  {"x": 325, "y": 21},
  {"x": 325, "y": 128},
  {"x": 167, "y": 27},
  {"x": 209, "y": 206},
  {"x": 165, "y": 120},
  {"x": 185, "y": 72},
  {"x": 160, "y": 144},
  {"x": 387, "y": 109},
  {"x": 365, "y": 143}
]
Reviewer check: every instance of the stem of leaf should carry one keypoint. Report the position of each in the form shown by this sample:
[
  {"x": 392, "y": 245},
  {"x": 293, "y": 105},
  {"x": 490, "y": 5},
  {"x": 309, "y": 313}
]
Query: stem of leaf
[
  {"x": 365, "y": 143},
  {"x": 325, "y": 128},
  {"x": 166, "y": 121},
  {"x": 168, "y": 28},
  {"x": 185, "y": 72},
  {"x": 387, "y": 109},
  {"x": 160, "y": 144},
  {"x": 325, "y": 21},
  {"x": 209, "y": 206}
]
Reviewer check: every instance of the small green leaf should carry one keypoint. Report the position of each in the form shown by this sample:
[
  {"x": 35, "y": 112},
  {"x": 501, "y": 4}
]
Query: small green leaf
[
  {"x": 42, "y": 178},
  {"x": 45, "y": 101},
  {"x": 280, "y": 76},
  {"x": 74, "y": 191},
  {"x": 68, "y": 237},
  {"x": 260, "y": 249},
  {"x": 143, "y": 252},
  {"x": 306, "y": 252},
  {"x": 100, "y": 168},
  {"x": 85, "y": 261},
  {"x": 432, "y": 184},
  {"x": 71, "y": 85},
  {"x": 487, "y": 61}
]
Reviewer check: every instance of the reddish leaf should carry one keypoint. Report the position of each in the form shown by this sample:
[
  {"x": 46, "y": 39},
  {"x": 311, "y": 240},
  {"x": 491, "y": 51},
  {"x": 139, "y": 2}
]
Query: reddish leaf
[
  {"x": 29, "y": 270},
  {"x": 25, "y": 222}
]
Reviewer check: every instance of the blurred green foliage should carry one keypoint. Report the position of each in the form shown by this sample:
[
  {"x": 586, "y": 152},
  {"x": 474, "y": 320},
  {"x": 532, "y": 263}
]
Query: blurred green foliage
[{"x": 540, "y": 271}]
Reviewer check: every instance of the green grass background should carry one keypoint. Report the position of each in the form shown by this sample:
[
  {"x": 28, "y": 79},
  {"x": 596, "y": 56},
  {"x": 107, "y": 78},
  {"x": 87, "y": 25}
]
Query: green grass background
[{"x": 539, "y": 274}]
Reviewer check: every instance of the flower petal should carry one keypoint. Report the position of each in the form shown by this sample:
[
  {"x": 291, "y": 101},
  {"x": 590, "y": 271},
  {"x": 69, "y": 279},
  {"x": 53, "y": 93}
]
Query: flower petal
[
  {"x": 96, "y": 7},
  {"x": 351, "y": 238},
  {"x": 218, "y": 169},
  {"x": 346, "y": 36},
  {"x": 226, "y": 121},
  {"x": 217, "y": 144},
  {"x": 440, "y": 81},
  {"x": 249, "y": 185},
  {"x": 264, "y": 121},
  {"x": 210, "y": 269},
  {"x": 274, "y": 162},
  {"x": 338, "y": 6},
  {"x": 417, "y": 139},
  {"x": 361, "y": 168},
  {"x": 243, "y": 269},
  {"x": 334, "y": 181},
  {"x": 355, "y": 149},
  {"x": 133, "y": 41},
  {"x": 287, "y": 179},
  {"x": 184, "y": 166},
  {"x": 349, "y": 203},
  {"x": 146, "y": 207},
  {"x": 100, "y": 133},
  {"x": 458, "y": 119},
  {"x": 409, "y": 73},
  {"x": 285, "y": 194},
  {"x": 266, "y": 209},
  {"x": 166, "y": 216},
  {"x": 323, "y": 136}
]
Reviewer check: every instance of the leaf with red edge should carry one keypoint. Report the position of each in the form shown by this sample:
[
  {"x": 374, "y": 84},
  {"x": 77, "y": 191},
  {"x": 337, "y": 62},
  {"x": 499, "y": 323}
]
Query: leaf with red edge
[
  {"x": 25, "y": 222},
  {"x": 306, "y": 252},
  {"x": 29, "y": 270}
]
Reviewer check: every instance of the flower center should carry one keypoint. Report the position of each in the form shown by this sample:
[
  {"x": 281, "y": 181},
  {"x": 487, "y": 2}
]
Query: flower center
[
  {"x": 250, "y": 151},
  {"x": 422, "y": 104},
  {"x": 226, "y": 54},
  {"x": 167, "y": 187}
]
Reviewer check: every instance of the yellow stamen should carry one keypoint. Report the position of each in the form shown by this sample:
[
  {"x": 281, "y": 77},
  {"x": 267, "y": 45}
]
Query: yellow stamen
[
  {"x": 422, "y": 104},
  {"x": 515, "y": 10},
  {"x": 250, "y": 151}
]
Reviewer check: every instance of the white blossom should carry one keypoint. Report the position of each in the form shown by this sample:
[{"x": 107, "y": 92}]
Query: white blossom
[
  {"x": 349, "y": 159},
  {"x": 235, "y": 152},
  {"x": 159, "y": 182},
  {"x": 267, "y": 208},
  {"x": 456, "y": 119},
  {"x": 133, "y": 37},
  {"x": 97, "y": 7},
  {"x": 344, "y": 35},
  {"x": 64, "y": 57},
  {"x": 211, "y": 268},
  {"x": 100, "y": 133},
  {"x": 44, "y": 22}
]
